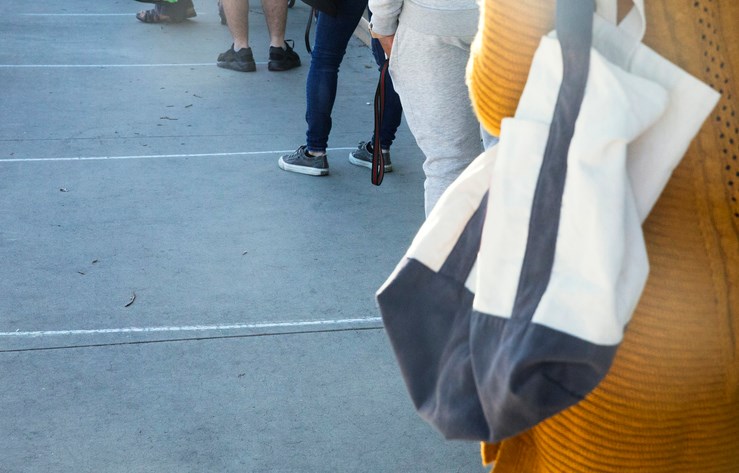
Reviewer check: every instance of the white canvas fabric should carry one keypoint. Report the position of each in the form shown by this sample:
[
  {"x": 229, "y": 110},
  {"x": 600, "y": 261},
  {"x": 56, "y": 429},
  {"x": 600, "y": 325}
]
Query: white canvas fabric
[
  {"x": 512, "y": 300},
  {"x": 443, "y": 226},
  {"x": 600, "y": 263}
]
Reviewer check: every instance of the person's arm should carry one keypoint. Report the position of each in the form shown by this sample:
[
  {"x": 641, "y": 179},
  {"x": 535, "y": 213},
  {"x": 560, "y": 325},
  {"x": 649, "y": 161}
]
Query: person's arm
[{"x": 384, "y": 21}]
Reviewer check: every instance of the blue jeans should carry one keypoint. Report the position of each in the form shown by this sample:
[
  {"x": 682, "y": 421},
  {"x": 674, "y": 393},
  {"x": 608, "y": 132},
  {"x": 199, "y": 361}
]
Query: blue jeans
[
  {"x": 332, "y": 36},
  {"x": 488, "y": 140}
]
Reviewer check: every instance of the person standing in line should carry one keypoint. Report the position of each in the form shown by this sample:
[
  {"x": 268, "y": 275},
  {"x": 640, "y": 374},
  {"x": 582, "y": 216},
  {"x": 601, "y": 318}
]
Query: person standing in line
[
  {"x": 332, "y": 37},
  {"x": 239, "y": 56},
  {"x": 428, "y": 43},
  {"x": 670, "y": 402}
]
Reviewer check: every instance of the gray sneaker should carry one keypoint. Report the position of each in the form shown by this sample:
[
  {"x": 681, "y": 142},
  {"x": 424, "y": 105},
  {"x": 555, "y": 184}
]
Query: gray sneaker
[
  {"x": 300, "y": 161},
  {"x": 363, "y": 157}
]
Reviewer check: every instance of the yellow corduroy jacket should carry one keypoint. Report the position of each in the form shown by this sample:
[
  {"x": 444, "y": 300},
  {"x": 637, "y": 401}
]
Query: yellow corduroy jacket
[{"x": 671, "y": 400}]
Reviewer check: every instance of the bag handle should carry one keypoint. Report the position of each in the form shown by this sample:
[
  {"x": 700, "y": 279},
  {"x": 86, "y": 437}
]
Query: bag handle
[
  {"x": 311, "y": 16},
  {"x": 618, "y": 41},
  {"x": 575, "y": 34},
  {"x": 378, "y": 160},
  {"x": 635, "y": 22},
  {"x": 574, "y": 30}
]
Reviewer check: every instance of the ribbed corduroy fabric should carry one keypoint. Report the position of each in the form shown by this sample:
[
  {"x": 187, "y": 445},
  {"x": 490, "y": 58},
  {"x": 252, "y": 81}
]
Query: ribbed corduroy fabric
[
  {"x": 495, "y": 95},
  {"x": 670, "y": 403}
]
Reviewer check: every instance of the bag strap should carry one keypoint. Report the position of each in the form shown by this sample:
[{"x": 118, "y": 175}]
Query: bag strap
[
  {"x": 378, "y": 160},
  {"x": 574, "y": 30},
  {"x": 311, "y": 16},
  {"x": 635, "y": 22},
  {"x": 575, "y": 33}
]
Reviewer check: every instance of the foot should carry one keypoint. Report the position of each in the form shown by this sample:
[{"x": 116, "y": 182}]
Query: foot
[
  {"x": 362, "y": 156},
  {"x": 168, "y": 12},
  {"x": 241, "y": 60},
  {"x": 301, "y": 161},
  {"x": 283, "y": 59},
  {"x": 153, "y": 16}
]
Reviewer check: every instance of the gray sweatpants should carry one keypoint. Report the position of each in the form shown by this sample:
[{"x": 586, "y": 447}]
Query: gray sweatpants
[{"x": 429, "y": 75}]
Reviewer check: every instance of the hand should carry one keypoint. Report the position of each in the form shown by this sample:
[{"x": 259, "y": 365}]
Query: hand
[{"x": 387, "y": 43}]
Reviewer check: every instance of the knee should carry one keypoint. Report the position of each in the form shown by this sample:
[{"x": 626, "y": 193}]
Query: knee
[{"x": 326, "y": 59}]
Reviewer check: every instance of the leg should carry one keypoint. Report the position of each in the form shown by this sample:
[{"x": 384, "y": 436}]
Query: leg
[
  {"x": 281, "y": 55},
  {"x": 169, "y": 12},
  {"x": 391, "y": 115},
  {"x": 239, "y": 56},
  {"x": 437, "y": 109},
  {"x": 275, "y": 12},
  {"x": 332, "y": 37},
  {"x": 221, "y": 12},
  {"x": 237, "y": 19}
]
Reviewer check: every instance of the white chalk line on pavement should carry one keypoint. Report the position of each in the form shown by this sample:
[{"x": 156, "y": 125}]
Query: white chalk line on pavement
[
  {"x": 156, "y": 156},
  {"x": 104, "y": 66},
  {"x": 75, "y": 14},
  {"x": 301, "y": 324},
  {"x": 86, "y": 14}
]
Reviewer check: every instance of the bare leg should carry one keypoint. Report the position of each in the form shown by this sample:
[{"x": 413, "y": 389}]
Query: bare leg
[
  {"x": 237, "y": 19},
  {"x": 275, "y": 12}
]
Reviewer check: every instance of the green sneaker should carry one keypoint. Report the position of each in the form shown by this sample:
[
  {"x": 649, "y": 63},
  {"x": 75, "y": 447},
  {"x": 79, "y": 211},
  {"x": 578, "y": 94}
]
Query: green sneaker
[{"x": 301, "y": 162}]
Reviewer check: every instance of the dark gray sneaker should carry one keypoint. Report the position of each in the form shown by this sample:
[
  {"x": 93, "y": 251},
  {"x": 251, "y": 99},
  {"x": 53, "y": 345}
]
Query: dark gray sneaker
[
  {"x": 299, "y": 161},
  {"x": 241, "y": 60},
  {"x": 362, "y": 156},
  {"x": 283, "y": 59}
]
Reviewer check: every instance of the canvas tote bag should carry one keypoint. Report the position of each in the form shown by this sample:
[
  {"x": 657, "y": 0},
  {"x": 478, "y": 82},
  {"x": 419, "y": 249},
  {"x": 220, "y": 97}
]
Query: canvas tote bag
[{"x": 511, "y": 310}]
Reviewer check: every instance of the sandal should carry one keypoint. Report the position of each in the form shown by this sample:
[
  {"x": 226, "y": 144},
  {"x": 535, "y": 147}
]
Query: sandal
[
  {"x": 168, "y": 12},
  {"x": 152, "y": 16}
]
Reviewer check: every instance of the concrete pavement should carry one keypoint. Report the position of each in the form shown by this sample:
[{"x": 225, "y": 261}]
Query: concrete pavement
[{"x": 170, "y": 300}]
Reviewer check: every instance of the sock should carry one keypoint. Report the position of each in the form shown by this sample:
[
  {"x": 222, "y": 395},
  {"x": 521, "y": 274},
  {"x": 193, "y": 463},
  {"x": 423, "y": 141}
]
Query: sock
[{"x": 315, "y": 154}]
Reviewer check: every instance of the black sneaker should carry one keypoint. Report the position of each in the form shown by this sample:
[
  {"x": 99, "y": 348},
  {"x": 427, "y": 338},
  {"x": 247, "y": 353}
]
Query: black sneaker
[
  {"x": 241, "y": 60},
  {"x": 283, "y": 59},
  {"x": 300, "y": 161},
  {"x": 362, "y": 156}
]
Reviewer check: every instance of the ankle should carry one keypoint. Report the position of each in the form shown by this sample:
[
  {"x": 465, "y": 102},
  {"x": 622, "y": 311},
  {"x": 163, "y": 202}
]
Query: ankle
[
  {"x": 278, "y": 44},
  {"x": 315, "y": 153},
  {"x": 370, "y": 147}
]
